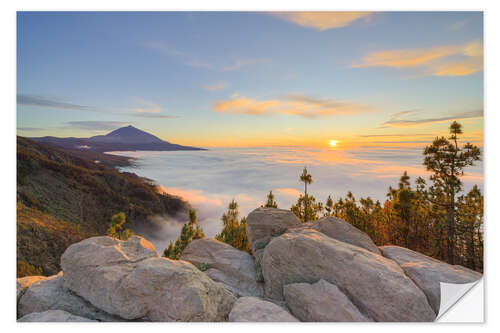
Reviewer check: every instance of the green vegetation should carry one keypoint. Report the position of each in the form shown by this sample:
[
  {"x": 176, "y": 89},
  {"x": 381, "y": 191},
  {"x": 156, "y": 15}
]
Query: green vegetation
[
  {"x": 203, "y": 266},
  {"x": 116, "y": 230},
  {"x": 271, "y": 203},
  {"x": 62, "y": 199},
  {"x": 233, "y": 232},
  {"x": 189, "y": 232},
  {"x": 258, "y": 272}
]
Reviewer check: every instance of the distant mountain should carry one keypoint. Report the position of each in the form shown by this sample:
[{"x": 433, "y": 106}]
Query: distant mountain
[{"x": 126, "y": 138}]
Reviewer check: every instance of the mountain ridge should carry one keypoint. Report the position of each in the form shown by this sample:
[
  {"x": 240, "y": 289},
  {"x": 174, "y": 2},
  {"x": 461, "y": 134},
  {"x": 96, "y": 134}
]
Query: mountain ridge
[{"x": 128, "y": 138}]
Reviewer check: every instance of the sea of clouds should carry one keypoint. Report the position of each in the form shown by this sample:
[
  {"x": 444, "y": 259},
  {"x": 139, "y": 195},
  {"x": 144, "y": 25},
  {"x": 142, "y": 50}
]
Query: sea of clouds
[{"x": 210, "y": 179}]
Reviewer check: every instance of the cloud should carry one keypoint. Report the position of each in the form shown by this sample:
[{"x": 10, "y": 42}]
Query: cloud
[
  {"x": 97, "y": 125},
  {"x": 452, "y": 60},
  {"x": 288, "y": 192},
  {"x": 215, "y": 86},
  {"x": 155, "y": 116},
  {"x": 28, "y": 129},
  {"x": 193, "y": 61},
  {"x": 458, "y": 25},
  {"x": 147, "y": 106},
  {"x": 401, "y": 119},
  {"x": 40, "y": 101},
  {"x": 244, "y": 62},
  {"x": 389, "y": 135},
  {"x": 298, "y": 105},
  {"x": 323, "y": 20}
]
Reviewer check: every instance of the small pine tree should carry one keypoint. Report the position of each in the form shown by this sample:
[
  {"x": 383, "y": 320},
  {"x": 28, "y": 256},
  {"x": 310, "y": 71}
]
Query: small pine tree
[
  {"x": 271, "y": 203},
  {"x": 234, "y": 230},
  {"x": 116, "y": 230},
  {"x": 189, "y": 232}
]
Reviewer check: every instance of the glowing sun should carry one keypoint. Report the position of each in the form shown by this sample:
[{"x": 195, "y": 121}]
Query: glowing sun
[{"x": 333, "y": 143}]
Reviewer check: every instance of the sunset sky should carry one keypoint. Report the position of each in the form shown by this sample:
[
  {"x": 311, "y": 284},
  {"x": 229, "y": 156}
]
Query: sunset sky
[{"x": 252, "y": 79}]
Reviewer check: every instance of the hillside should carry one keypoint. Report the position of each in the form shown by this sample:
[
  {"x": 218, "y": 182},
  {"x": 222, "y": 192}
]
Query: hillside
[
  {"x": 62, "y": 198},
  {"x": 126, "y": 138}
]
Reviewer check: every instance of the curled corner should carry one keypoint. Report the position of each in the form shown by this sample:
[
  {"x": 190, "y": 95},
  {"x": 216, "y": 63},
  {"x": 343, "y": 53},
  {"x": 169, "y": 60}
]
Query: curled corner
[{"x": 451, "y": 293}]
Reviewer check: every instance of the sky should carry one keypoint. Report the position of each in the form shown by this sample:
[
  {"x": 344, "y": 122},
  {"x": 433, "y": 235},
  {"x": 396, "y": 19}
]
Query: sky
[{"x": 252, "y": 79}]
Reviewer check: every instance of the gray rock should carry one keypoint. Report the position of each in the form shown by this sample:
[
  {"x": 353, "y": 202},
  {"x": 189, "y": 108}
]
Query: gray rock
[
  {"x": 320, "y": 302},
  {"x": 128, "y": 279},
  {"x": 376, "y": 285},
  {"x": 233, "y": 268},
  {"x": 428, "y": 272},
  {"x": 253, "y": 309},
  {"x": 23, "y": 283},
  {"x": 53, "y": 316},
  {"x": 344, "y": 232},
  {"x": 264, "y": 223},
  {"x": 49, "y": 294}
]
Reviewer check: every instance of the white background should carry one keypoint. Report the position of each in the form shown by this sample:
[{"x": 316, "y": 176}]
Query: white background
[{"x": 492, "y": 139}]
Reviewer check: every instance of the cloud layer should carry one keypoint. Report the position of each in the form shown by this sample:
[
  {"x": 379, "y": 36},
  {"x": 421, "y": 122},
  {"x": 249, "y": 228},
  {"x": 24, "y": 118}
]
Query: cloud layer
[
  {"x": 323, "y": 20},
  {"x": 297, "y": 105},
  {"x": 40, "y": 101},
  {"x": 450, "y": 60}
]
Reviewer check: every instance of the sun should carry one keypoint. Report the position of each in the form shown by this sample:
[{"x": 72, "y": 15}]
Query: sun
[{"x": 333, "y": 143}]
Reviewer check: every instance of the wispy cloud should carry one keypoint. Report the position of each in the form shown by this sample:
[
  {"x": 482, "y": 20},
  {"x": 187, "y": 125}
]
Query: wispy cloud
[
  {"x": 298, "y": 105},
  {"x": 450, "y": 60},
  {"x": 194, "y": 61},
  {"x": 405, "y": 119},
  {"x": 323, "y": 20},
  {"x": 43, "y": 102},
  {"x": 155, "y": 116},
  {"x": 458, "y": 25},
  {"x": 215, "y": 86},
  {"x": 390, "y": 135},
  {"x": 97, "y": 125},
  {"x": 29, "y": 129},
  {"x": 243, "y": 63},
  {"x": 146, "y": 106}
]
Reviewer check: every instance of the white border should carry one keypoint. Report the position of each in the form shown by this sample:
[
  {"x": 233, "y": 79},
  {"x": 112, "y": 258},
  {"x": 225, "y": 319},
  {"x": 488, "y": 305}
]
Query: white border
[{"x": 8, "y": 93}]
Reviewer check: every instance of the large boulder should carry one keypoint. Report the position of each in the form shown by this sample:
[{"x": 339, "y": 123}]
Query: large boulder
[
  {"x": 49, "y": 294},
  {"x": 128, "y": 279},
  {"x": 320, "y": 302},
  {"x": 223, "y": 263},
  {"x": 377, "y": 286},
  {"x": 253, "y": 309},
  {"x": 428, "y": 272},
  {"x": 344, "y": 232},
  {"x": 23, "y": 283},
  {"x": 265, "y": 223},
  {"x": 52, "y": 316}
]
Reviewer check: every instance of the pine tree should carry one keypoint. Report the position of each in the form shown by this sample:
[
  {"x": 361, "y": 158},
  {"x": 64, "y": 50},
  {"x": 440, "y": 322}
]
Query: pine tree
[
  {"x": 271, "y": 203},
  {"x": 116, "y": 230},
  {"x": 234, "y": 231},
  {"x": 447, "y": 160},
  {"x": 307, "y": 179},
  {"x": 189, "y": 232}
]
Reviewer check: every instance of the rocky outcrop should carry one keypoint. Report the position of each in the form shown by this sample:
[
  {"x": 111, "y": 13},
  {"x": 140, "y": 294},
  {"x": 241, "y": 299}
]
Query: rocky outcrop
[
  {"x": 320, "y": 302},
  {"x": 223, "y": 263},
  {"x": 253, "y": 309},
  {"x": 128, "y": 279},
  {"x": 23, "y": 283},
  {"x": 343, "y": 231},
  {"x": 53, "y": 316},
  {"x": 428, "y": 272},
  {"x": 265, "y": 223},
  {"x": 376, "y": 285},
  {"x": 48, "y": 294}
]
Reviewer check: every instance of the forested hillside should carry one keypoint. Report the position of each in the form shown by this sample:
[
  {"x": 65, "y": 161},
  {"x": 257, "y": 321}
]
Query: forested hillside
[{"x": 62, "y": 198}]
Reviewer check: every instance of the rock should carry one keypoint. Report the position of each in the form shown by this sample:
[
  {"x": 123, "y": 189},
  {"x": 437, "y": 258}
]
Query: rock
[
  {"x": 52, "y": 316},
  {"x": 128, "y": 279},
  {"x": 49, "y": 294},
  {"x": 253, "y": 309},
  {"x": 377, "y": 286},
  {"x": 23, "y": 283},
  {"x": 428, "y": 272},
  {"x": 320, "y": 302},
  {"x": 344, "y": 232},
  {"x": 264, "y": 223},
  {"x": 223, "y": 263}
]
